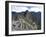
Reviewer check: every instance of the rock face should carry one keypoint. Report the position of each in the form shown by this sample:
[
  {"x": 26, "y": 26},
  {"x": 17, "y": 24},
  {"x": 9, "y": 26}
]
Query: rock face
[
  {"x": 29, "y": 16},
  {"x": 26, "y": 20}
]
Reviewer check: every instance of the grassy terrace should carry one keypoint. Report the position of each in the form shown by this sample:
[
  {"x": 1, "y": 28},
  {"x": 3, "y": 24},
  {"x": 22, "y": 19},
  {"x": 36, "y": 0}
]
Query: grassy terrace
[{"x": 27, "y": 24}]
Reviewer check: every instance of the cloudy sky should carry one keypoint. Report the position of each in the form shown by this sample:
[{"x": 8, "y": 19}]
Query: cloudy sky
[{"x": 22, "y": 8}]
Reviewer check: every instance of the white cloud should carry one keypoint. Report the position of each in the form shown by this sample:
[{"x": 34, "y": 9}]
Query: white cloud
[
  {"x": 20, "y": 9},
  {"x": 35, "y": 9}
]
